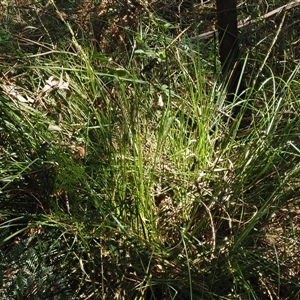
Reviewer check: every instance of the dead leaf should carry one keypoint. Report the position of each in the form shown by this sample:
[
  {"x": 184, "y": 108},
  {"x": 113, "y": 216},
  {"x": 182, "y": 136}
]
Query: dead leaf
[
  {"x": 160, "y": 102},
  {"x": 54, "y": 128},
  {"x": 53, "y": 84}
]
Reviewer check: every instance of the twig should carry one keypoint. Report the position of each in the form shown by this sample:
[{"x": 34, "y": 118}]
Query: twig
[
  {"x": 270, "y": 49},
  {"x": 246, "y": 22}
]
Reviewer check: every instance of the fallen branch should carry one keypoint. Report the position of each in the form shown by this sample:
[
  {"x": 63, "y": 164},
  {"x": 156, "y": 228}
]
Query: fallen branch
[{"x": 246, "y": 22}]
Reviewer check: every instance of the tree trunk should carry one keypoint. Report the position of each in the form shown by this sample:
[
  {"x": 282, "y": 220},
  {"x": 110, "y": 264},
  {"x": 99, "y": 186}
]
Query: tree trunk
[{"x": 229, "y": 45}]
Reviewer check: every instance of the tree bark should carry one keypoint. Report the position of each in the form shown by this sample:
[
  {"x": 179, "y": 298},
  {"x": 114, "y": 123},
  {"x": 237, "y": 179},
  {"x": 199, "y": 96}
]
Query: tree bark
[{"x": 229, "y": 45}]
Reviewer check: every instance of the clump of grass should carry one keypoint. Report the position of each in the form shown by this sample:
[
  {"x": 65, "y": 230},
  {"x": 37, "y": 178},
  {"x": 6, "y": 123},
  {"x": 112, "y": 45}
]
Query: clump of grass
[{"x": 141, "y": 185}]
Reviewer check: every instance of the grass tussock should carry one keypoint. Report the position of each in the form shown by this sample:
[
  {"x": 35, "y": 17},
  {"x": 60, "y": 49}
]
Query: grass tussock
[{"x": 127, "y": 175}]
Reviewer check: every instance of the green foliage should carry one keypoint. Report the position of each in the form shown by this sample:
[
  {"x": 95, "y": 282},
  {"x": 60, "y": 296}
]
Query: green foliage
[
  {"x": 33, "y": 273},
  {"x": 129, "y": 176}
]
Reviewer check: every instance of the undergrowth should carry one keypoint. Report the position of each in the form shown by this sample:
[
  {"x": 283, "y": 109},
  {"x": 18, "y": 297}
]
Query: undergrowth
[{"x": 134, "y": 178}]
